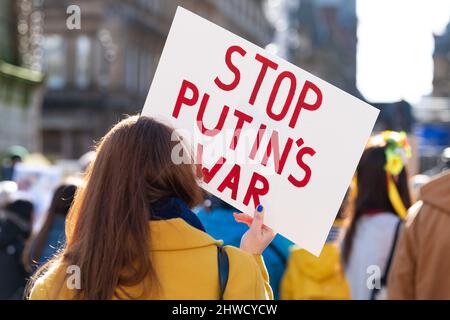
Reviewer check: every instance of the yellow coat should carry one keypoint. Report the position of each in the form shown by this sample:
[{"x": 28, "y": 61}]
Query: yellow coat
[
  {"x": 185, "y": 261},
  {"x": 308, "y": 277}
]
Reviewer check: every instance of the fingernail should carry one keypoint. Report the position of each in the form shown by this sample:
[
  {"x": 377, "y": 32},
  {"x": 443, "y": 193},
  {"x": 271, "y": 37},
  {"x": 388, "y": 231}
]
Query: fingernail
[{"x": 259, "y": 208}]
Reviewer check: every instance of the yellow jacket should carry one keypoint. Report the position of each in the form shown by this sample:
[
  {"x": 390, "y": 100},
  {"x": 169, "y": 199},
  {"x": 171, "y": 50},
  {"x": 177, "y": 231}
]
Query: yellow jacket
[
  {"x": 185, "y": 261},
  {"x": 308, "y": 277}
]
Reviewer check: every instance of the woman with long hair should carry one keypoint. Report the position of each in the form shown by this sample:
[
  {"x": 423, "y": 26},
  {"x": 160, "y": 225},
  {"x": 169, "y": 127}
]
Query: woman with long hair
[
  {"x": 51, "y": 236},
  {"x": 130, "y": 233},
  {"x": 382, "y": 197}
]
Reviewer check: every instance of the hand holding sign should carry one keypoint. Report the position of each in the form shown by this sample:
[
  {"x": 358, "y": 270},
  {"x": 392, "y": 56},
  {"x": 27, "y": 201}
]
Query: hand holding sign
[{"x": 258, "y": 236}]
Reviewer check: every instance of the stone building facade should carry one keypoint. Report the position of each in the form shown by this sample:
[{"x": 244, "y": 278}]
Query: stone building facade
[
  {"x": 441, "y": 58},
  {"x": 21, "y": 89},
  {"x": 104, "y": 70},
  {"x": 327, "y": 41}
]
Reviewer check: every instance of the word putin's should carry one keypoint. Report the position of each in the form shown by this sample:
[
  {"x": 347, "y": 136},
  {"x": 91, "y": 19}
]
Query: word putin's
[{"x": 189, "y": 96}]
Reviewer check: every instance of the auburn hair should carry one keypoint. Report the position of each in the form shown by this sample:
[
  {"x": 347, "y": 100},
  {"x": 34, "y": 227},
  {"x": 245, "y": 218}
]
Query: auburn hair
[{"x": 107, "y": 231}]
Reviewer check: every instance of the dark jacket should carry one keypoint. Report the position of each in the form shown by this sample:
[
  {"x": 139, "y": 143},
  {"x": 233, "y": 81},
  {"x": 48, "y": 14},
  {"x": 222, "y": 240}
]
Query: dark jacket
[{"x": 15, "y": 227}]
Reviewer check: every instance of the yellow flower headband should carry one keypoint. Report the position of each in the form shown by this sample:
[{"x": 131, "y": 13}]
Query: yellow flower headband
[{"x": 397, "y": 151}]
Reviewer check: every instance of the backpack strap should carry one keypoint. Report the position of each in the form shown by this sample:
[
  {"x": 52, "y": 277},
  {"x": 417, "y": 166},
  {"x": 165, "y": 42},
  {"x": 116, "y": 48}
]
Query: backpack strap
[
  {"x": 384, "y": 277},
  {"x": 224, "y": 270},
  {"x": 391, "y": 254}
]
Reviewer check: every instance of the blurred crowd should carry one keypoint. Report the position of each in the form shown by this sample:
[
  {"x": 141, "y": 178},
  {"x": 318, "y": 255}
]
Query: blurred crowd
[{"x": 386, "y": 242}]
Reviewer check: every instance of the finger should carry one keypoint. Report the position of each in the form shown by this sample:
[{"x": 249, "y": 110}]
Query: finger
[
  {"x": 258, "y": 218},
  {"x": 247, "y": 219},
  {"x": 268, "y": 234},
  {"x": 243, "y": 218},
  {"x": 268, "y": 229}
]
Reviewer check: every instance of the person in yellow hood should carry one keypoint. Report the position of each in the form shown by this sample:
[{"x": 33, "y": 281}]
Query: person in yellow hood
[
  {"x": 130, "y": 233},
  {"x": 308, "y": 277}
]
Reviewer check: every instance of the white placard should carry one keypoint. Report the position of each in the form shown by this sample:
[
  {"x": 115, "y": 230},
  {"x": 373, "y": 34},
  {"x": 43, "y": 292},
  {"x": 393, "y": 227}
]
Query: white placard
[{"x": 224, "y": 92}]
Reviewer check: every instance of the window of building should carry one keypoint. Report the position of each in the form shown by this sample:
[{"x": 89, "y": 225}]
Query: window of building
[
  {"x": 83, "y": 62},
  {"x": 55, "y": 51},
  {"x": 145, "y": 70},
  {"x": 131, "y": 68},
  {"x": 52, "y": 142}
]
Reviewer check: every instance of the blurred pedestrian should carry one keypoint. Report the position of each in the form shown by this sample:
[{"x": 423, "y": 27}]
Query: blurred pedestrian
[
  {"x": 85, "y": 160},
  {"x": 51, "y": 236},
  {"x": 442, "y": 165},
  {"x": 131, "y": 234},
  {"x": 380, "y": 205},
  {"x": 14, "y": 155},
  {"x": 308, "y": 277},
  {"x": 421, "y": 263},
  {"x": 15, "y": 228},
  {"x": 217, "y": 217}
]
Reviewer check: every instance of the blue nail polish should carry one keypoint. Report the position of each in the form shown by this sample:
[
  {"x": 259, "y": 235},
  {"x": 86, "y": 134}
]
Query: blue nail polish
[{"x": 259, "y": 208}]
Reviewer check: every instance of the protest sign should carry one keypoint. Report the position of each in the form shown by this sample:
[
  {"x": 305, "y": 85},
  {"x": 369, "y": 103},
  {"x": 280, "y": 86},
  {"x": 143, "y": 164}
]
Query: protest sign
[
  {"x": 263, "y": 130},
  {"x": 37, "y": 183}
]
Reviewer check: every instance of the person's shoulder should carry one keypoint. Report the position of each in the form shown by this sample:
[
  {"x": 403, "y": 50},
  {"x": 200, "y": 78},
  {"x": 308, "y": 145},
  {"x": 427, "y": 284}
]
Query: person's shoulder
[
  {"x": 39, "y": 290},
  {"x": 245, "y": 279},
  {"x": 384, "y": 219},
  {"x": 375, "y": 231},
  {"x": 243, "y": 263},
  {"x": 49, "y": 285},
  {"x": 240, "y": 257}
]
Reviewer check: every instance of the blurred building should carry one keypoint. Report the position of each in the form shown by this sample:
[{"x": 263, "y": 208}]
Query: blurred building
[
  {"x": 432, "y": 129},
  {"x": 433, "y": 112},
  {"x": 104, "y": 70},
  {"x": 21, "y": 87},
  {"x": 396, "y": 116},
  {"x": 441, "y": 58},
  {"x": 8, "y": 38},
  {"x": 327, "y": 41},
  {"x": 20, "y": 107}
]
